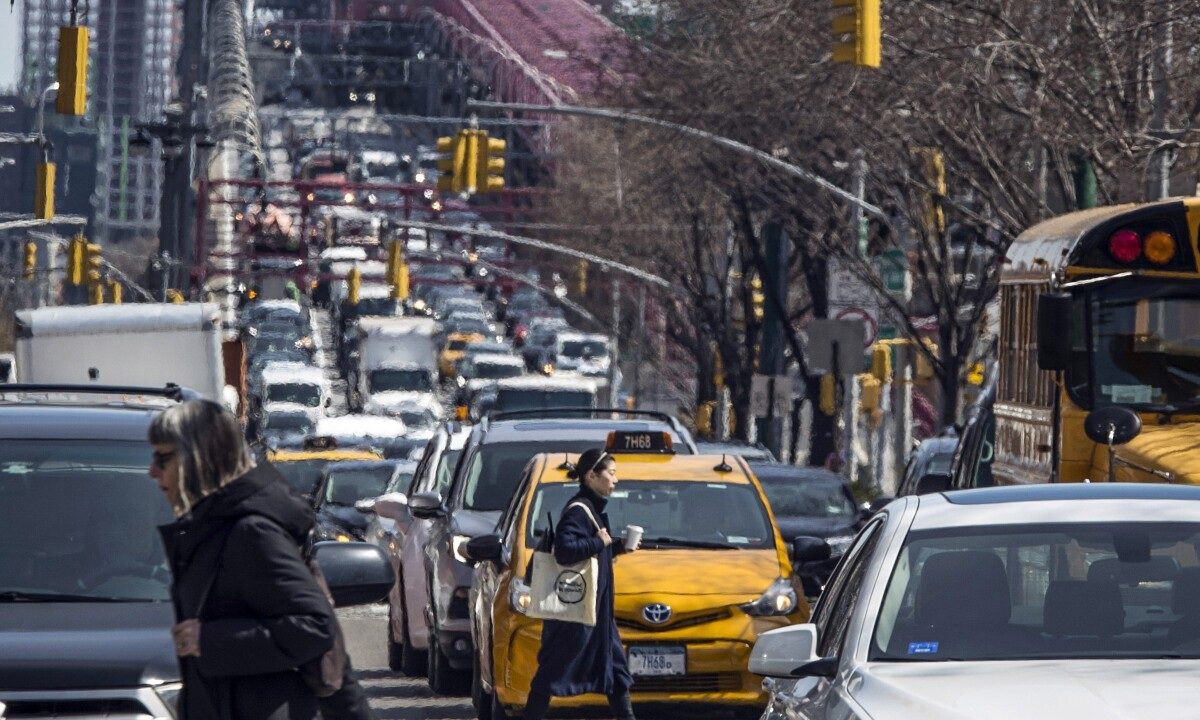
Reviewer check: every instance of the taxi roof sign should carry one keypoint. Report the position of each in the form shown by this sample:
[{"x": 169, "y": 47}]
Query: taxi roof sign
[{"x": 644, "y": 441}]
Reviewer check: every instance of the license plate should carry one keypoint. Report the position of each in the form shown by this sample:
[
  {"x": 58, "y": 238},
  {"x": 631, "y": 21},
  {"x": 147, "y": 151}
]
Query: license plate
[{"x": 657, "y": 660}]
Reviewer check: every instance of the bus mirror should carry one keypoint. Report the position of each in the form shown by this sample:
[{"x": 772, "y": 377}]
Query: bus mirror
[
  {"x": 1053, "y": 331},
  {"x": 1112, "y": 425}
]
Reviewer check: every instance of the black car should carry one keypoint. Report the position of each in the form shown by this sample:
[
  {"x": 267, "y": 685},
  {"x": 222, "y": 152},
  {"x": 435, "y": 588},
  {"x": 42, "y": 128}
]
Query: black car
[
  {"x": 342, "y": 485},
  {"x": 485, "y": 478},
  {"x": 85, "y": 604},
  {"x": 932, "y": 459},
  {"x": 750, "y": 452},
  {"x": 813, "y": 502}
]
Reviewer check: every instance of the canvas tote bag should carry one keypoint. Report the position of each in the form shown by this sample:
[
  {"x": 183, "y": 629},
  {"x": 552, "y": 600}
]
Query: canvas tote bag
[{"x": 564, "y": 592}]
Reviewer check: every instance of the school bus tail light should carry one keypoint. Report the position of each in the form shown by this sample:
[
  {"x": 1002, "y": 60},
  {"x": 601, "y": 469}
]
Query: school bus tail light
[
  {"x": 1159, "y": 247},
  {"x": 1125, "y": 246}
]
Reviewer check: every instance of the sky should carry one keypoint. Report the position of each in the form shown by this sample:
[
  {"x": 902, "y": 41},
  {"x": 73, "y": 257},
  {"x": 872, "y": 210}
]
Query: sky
[{"x": 10, "y": 38}]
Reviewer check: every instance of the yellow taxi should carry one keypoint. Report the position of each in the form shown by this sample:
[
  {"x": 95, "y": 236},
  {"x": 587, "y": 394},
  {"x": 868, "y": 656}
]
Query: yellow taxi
[
  {"x": 712, "y": 574},
  {"x": 453, "y": 351},
  {"x": 301, "y": 468}
]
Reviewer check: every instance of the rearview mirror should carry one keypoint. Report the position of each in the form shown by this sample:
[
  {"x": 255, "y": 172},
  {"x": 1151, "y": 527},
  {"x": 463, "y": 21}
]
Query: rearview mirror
[
  {"x": 426, "y": 505},
  {"x": 806, "y": 548},
  {"x": 357, "y": 573},
  {"x": 485, "y": 548},
  {"x": 391, "y": 506},
  {"x": 1053, "y": 337},
  {"x": 931, "y": 483},
  {"x": 778, "y": 652}
]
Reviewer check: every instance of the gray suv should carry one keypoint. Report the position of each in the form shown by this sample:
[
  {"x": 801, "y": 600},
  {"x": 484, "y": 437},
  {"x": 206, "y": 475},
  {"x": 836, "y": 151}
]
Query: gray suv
[{"x": 486, "y": 476}]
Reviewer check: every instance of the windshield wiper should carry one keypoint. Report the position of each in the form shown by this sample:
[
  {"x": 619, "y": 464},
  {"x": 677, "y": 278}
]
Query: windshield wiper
[
  {"x": 679, "y": 542},
  {"x": 1182, "y": 408},
  {"x": 13, "y": 596}
]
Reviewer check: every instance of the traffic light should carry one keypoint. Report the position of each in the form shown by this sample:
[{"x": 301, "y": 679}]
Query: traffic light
[
  {"x": 43, "y": 194},
  {"x": 116, "y": 291},
  {"x": 857, "y": 33},
  {"x": 353, "y": 285},
  {"x": 758, "y": 298},
  {"x": 452, "y": 162},
  {"x": 397, "y": 270},
  {"x": 490, "y": 163},
  {"x": 30, "y": 260},
  {"x": 96, "y": 294},
  {"x": 75, "y": 253},
  {"x": 93, "y": 264},
  {"x": 581, "y": 277},
  {"x": 72, "y": 70},
  {"x": 471, "y": 141},
  {"x": 934, "y": 168},
  {"x": 881, "y": 361},
  {"x": 870, "y": 393},
  {"x": 828, "y": 399}
]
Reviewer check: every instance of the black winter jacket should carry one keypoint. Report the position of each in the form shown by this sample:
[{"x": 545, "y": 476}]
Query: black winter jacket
[{"x": 263, "y": 614}]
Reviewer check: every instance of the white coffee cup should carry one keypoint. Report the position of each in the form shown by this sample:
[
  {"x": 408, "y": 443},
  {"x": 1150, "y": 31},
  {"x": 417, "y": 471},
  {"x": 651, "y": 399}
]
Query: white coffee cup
[{"x": 633, "y": 536}]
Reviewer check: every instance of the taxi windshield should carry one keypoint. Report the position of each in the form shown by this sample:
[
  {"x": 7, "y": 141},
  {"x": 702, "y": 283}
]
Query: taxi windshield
[
  {"x": 673, "y": 513},
  {"x": 405, "y": 380},
  {"x": 301, "y": 475},
  {"x": 346, "y": 487},
  {"x": 301, "y": 393},
  {"x": 1077, "y": 590},
  {"x": 78, "y": 520}
]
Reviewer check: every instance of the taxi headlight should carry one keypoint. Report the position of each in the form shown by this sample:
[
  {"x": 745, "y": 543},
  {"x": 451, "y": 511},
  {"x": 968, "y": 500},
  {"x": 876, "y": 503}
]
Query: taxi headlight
[
  {"x": 519, "y": 596},
  {"x": 169, "y": 694},
  {"x": 779, "y": 599},
  {"x": 458, "y": 544}
]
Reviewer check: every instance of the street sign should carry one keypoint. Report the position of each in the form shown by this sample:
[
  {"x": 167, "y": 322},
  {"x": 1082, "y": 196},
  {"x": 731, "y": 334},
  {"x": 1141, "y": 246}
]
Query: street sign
[
  {"x": 846, "y": 335},
  {"x": 764, "y": 393},
  {"x": 893, "y": 271},
  {"x": 852, "y": 298}
]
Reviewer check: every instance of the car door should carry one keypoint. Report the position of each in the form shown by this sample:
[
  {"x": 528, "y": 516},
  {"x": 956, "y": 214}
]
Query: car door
[{"x": 824, "y": 698}]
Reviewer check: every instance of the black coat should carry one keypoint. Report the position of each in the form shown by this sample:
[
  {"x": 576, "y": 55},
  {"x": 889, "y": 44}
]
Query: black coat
[
  {"x": 264, "y": 614},
  {"x": 575, "y": 659}
]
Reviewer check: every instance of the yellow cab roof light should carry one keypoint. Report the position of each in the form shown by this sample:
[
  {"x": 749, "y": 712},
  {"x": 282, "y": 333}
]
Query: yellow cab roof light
[{"x": 639, "y": 442}]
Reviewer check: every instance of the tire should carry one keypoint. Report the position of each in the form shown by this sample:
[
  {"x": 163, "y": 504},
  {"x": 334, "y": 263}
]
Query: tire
[
  {"x": 395, "y": 650},
  {"x": 412, "y": 660},
  {"x": 483, "y": 701},
  {"x": 443, "y": 679}
]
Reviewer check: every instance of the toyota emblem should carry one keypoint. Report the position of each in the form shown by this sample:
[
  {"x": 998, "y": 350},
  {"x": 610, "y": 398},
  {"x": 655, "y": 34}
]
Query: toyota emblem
[{"x": 656, "y": 613}]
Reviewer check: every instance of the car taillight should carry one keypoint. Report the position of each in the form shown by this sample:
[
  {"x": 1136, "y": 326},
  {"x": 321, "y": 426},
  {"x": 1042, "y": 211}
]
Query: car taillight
[
  {"x": 1125, "y": 246},
  {"x": 1159, "y": 247}
]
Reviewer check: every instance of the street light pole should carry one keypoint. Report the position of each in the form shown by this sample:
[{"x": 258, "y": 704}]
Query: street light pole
[{"x": 41, "y": 117}]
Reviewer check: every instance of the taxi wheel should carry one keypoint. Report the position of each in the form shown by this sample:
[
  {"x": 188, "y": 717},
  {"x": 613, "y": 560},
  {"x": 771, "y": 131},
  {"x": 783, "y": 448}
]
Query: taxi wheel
[{"x": 443, "y": 679}]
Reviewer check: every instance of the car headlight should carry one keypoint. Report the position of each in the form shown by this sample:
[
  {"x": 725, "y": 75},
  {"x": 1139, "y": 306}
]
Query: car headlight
[
  {"x": 419, "y": 178},
  {"x": 458, "y": 546},
  {"x": 779, "y": 599},
  {"x": 326, "y": 531},
  {"x": 838, "y": 545},
  {"x": 169, "y": 694},
  {"x": 519, "y": 596}
]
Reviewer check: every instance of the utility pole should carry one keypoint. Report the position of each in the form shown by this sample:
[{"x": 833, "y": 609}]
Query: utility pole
[
  {"x": 1161, "y": 73},
  {"x": 614, "y": 371}
]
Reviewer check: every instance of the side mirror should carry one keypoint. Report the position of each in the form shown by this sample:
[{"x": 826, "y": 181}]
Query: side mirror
[
  {"x": 328, "y": 401},
  {"x": 1053, "y": 337},
  {"x": 366, "y": 506},
  {"x": 485, "y": 548},
  {"x": 931, "y": 483},
  {"x": 806, "y": 548},
  {"x": 357, "y": 573},
  {"x": 777, "y": 653},
  {"x": 426, "y": 505},
  {"x": 392, "y": 506},
  {"x": 1113, "y": 424}
]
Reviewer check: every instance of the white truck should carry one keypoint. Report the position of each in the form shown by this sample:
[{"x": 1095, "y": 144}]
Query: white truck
[
  {"x": 139, "y": 344},
  {"x": 394, "y": 354}
]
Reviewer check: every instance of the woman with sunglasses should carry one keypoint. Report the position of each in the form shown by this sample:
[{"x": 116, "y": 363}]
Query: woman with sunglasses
[
  {"x": 248, "y": 608},
  {"x": 575, "y": 659}
]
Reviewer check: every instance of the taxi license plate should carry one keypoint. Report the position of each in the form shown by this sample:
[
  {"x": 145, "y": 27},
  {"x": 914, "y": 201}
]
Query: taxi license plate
[{"x": 647, "y": 660}]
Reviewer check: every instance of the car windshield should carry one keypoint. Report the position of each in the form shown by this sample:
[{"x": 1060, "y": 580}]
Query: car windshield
[
  {"x": 290, "y": 423},
  {"x": 496, "y": 468},
  {"x": 808, "y": 498},
  {"x": 497, "y": 371},
  {"x": 346, "y": 487},
  {"x": 377, "y": 306},
  {"x": 673, "y": 513},
  {"x": 456, "y": 344},
  {"x": 1145, "y": 347},
  {"x": 1071, "y": 590},
  {"x": 584, "y": 348},
  {"x": 79, "y": 518},
  {"x": 468, "y": 326},
  {"x": 301, "y": 393},
  {"x": 413, "y": 380},
  {"x": 513, "y": 399},
  {"x": 301, "y": 475},
  {"x": 416, "y": 419}
]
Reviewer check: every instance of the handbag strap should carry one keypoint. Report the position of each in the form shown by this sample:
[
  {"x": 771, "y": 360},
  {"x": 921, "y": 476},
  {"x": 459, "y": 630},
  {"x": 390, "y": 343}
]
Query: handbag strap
[{"x": 587, "y": 511}]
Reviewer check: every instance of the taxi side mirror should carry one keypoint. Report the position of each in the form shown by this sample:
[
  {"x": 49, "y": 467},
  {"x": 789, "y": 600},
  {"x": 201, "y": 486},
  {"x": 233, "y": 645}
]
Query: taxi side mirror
[{"x": 485, "y": 548}]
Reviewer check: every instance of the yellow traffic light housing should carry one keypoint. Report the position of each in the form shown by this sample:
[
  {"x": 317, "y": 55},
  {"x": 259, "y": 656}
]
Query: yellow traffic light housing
[
  {"x": 30, "y": 260},
  {"x": 490, "y": 165},
  {"x": 75, "y": 253},
  {"x": 116, "y": 291},
  {"x": 758, "y": 298},
  {"x": 581, "y": 277},
  {"x": 353, "y": 285},
  {"x": 176, "y": 297},
  {"x": 72, "y": 70},
  {"x": 43, "y": 194},
  {"x": 96, "y": 293},
  {"x": 397, "y": 270},
  {"x": 471, "y": 144},
  {"x": 857, "y": 33},
  {"x": 827, "y": 402},
  {"x": 451, "y": 163}
]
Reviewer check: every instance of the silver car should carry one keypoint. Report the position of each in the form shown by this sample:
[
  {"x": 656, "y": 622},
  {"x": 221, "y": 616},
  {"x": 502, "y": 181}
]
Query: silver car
[{"x": 1051, "y": 601}]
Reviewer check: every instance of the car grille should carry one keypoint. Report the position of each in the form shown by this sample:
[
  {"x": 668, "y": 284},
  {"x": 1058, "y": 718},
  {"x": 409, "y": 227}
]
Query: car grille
[
  {"x": 699, "y": 683},
  {"x": 92, "y": 707},
  {"x": 629, "y": 624}
]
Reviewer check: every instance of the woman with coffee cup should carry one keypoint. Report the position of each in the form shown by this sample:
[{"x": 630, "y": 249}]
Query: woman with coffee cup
[{"x": 575, "y": 659}]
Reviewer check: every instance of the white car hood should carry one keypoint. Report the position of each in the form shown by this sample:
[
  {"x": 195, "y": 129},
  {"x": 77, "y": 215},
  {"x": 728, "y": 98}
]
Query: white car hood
[
  {"x": 394, "y": 398},
  {"x": 1029, "y": 690}
]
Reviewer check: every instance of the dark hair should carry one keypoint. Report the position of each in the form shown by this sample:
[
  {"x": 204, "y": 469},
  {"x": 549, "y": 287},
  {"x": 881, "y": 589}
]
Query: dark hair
[{"x": 590, "y": 460}]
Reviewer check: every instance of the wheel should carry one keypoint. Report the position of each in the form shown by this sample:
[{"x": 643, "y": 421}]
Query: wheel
[
  {"x": 412, "y": 660},
  {"x": 443, "y": 679},
  {"x": 395, "y": 650},
  {"x": 480, "y": 698}
]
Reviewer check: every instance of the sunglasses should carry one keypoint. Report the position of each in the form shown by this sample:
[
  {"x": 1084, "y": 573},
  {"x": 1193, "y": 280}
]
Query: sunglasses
[{"x": 160, "y": 459}]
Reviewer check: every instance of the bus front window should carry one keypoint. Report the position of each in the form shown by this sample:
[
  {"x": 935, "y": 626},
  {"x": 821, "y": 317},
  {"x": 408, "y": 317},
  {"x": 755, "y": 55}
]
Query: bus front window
[{"x": 1145, "y": 346}]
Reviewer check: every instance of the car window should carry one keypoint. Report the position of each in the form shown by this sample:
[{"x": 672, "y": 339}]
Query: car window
[
  {"x": 494, "y": 470},
  {"x": 346, "y": 487},
  {"x": 302, "y": 476},
  {"x": 445, "y": 471},
  {"x": 841, "y": 594},
  {"x": 423, "y": 472},
  {"x": 508, "y": 521},
  {"x": 817, "y": 499}
]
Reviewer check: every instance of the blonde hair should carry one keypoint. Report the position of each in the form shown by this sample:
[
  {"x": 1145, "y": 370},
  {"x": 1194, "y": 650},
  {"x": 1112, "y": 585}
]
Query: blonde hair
[{"x": 209, "y": 445}]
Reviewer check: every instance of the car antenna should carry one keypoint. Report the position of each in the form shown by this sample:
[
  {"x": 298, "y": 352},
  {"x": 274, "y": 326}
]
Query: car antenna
[
  {"x": 723, "y": 466},
  {"x": 566, "y": 463}
]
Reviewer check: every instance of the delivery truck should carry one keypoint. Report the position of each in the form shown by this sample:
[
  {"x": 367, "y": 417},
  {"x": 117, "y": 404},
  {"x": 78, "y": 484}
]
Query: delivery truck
[{"x": 395, "y": 354}]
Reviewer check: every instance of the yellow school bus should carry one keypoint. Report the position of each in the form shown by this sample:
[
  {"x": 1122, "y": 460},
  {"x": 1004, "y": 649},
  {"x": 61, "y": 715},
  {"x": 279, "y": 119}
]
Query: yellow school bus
[{"x": 1099, "y": 315}]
